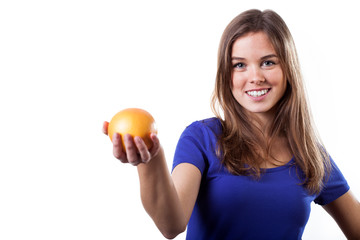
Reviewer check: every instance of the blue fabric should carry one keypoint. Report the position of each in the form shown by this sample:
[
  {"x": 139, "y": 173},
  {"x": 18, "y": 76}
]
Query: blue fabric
[{"x": 239, "y": 207}]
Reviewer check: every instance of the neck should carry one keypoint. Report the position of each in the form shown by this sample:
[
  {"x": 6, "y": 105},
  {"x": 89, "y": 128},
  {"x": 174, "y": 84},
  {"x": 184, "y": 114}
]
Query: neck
[{"x": 262, "y": 121}]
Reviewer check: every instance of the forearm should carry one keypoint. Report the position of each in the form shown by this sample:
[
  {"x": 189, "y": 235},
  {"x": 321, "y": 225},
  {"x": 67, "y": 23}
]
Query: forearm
[{"x": 159, "y": 196}]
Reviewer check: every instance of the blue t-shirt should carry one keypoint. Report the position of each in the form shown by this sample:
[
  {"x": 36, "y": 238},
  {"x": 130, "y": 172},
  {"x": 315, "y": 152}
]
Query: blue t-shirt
[{"x": 238, "y": 207}]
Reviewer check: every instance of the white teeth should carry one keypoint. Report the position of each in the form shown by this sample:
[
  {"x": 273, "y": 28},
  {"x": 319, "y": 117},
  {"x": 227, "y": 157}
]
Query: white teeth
[{"x": 257, "y": 93}]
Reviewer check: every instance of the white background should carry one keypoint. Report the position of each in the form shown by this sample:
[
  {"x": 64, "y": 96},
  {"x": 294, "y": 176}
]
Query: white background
[{"x": 66, "y": 66}]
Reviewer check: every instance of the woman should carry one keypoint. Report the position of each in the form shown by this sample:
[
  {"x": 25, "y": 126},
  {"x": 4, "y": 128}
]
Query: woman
[{"x": 253, "y": 173}]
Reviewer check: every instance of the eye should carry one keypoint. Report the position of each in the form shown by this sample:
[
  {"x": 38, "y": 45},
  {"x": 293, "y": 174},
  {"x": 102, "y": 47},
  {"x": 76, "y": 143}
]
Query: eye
[
  {"x": 239, "y": 65},
  {"x": 268, "y": 63}
]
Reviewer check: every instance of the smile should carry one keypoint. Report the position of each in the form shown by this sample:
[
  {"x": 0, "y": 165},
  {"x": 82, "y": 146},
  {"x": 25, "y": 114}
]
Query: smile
[{"x": 258, "y": 93}]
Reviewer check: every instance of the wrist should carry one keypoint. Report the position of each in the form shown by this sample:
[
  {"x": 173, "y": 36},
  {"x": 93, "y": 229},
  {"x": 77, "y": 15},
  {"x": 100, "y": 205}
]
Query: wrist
[{"x": 154, "y": 163}]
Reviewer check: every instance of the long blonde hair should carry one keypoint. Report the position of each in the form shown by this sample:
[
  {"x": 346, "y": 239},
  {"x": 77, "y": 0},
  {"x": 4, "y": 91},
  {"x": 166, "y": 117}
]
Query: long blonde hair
[{"x": 241, "y": 140}]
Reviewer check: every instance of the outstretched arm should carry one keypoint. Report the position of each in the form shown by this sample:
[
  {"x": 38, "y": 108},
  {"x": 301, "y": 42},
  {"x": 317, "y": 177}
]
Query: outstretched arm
[{"x": 169, "y": 200}]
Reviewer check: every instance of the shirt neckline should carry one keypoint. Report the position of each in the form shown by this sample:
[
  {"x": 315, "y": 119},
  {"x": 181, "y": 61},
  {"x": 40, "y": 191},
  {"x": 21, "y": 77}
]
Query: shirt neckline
[{"x": 279, "y": 168}]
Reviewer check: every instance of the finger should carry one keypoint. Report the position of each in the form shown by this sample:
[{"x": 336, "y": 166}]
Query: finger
[
  {"x": 143, "y": 151},
  {"x": 118, "y": 149},
  {"x": 105, "y": 127},
  {"x": 156, "y": 144},
  {"x": 131, "y": 150}
]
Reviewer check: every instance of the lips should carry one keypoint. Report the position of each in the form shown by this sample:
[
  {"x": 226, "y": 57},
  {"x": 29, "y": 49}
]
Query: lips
[{"x": 258, "y": 92}]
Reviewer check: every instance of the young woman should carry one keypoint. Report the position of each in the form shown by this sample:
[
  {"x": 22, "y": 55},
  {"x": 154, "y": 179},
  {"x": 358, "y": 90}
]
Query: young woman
[{"x": 253, "y": 172}]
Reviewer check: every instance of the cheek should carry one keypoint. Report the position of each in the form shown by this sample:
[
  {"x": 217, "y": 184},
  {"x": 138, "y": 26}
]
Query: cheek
[
  {"x": 237, "y": 82},
  {"x": 283, "y": 82},
  {"x": 276, "y": 78}
]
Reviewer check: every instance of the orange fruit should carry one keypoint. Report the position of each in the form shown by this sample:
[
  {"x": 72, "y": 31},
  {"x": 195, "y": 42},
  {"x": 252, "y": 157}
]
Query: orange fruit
[{"x": 134, "y": 121}]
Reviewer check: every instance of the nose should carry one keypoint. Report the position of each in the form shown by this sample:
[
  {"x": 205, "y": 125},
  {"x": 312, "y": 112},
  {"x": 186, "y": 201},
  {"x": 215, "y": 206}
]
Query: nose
[{"x": 256, "y": 76}]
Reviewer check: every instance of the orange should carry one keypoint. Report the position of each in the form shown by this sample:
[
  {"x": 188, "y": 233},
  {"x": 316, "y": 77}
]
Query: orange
[{"x": 134, "y": 121}]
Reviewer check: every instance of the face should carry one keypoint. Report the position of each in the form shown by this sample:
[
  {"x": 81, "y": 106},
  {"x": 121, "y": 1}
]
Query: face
[{"x": 258, "y": 81}]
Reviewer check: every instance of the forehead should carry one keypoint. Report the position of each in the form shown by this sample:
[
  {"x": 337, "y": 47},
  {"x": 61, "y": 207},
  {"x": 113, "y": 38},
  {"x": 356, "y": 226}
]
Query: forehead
[{"x": 252, "y": 44}]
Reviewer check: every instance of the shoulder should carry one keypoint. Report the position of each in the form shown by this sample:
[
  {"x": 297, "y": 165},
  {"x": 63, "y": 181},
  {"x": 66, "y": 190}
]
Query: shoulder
[
  {"x": 204, "y": 133},
  {"x": 204, "y": 127},
  {"x": 197, "y": 144},
  {"x": 335, "y": 185}
]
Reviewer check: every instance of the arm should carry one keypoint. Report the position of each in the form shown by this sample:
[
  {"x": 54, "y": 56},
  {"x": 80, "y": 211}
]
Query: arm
[
  {"x": 346, "y": 212},
  {"x": 168, "y": 200}
]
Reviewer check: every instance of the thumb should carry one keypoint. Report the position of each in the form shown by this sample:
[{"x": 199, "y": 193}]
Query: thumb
[{"x": 105, "y": 127}]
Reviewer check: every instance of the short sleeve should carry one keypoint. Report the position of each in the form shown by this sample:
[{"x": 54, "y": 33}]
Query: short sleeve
[
  {"x": 334, "y": 187},
  {"x": 190, "y": 148}
]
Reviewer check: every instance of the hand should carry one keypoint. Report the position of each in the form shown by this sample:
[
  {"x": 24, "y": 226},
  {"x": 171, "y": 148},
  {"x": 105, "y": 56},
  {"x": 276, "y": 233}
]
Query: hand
[{"x": 136, "y": 150}]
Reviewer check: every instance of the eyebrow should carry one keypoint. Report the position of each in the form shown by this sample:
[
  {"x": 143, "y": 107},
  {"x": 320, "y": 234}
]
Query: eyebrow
[{"x": 262, "y": 58}]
